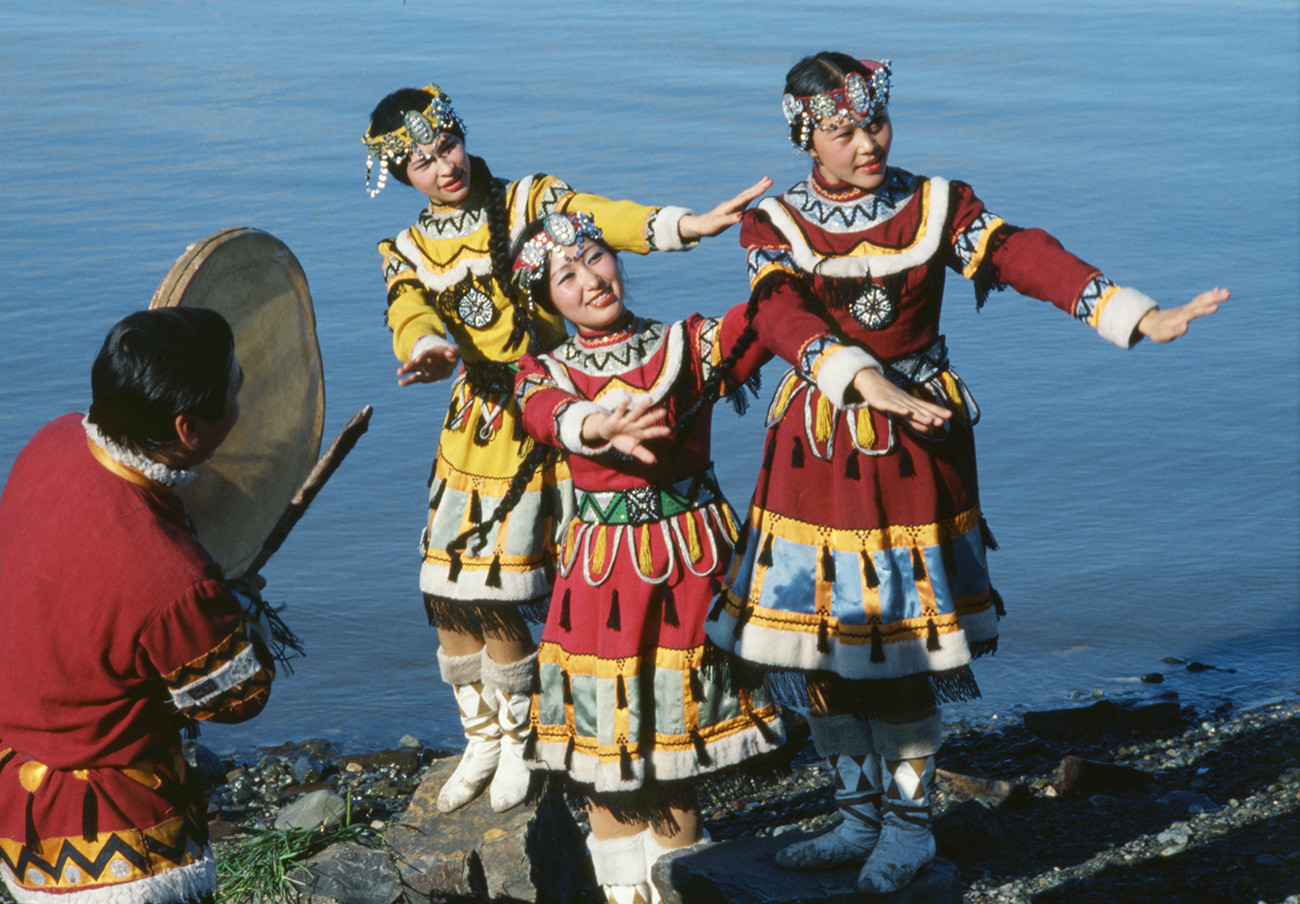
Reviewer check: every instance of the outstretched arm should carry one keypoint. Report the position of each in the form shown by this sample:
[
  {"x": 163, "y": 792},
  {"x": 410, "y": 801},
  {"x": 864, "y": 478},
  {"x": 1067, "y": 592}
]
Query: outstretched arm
[
  {"x": 693, "y": 227},
  {"x": 1166, "y": 326},
  {"x": 429, "y": 362},
  {"x": 874, "y": 389},
  {"x": 626, "y": 428}
]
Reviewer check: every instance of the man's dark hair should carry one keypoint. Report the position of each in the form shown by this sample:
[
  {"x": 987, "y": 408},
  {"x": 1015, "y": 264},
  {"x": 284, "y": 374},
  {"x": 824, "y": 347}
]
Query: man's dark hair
[{"x": 155, "y": 365}]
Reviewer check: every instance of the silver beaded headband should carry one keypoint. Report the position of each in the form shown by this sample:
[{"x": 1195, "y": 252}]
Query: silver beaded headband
[
  {"x": 558, "y": 231},
  {"x": 858, "y": 102},
  {"x": 418, "y": 127}
]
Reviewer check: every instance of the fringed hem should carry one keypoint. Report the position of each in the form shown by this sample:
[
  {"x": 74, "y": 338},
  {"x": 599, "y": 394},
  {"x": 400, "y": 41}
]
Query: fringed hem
[
  {"x": 873, "y": 697},
  {"x": 477, "y": 616}
]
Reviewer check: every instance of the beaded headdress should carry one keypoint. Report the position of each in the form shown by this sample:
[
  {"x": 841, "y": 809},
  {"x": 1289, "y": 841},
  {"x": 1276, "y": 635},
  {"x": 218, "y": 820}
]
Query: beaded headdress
[
  {"x": 857, "y": 101},
  {"x": 418, "y": 127},
  {"x": 559, "y": 230}
]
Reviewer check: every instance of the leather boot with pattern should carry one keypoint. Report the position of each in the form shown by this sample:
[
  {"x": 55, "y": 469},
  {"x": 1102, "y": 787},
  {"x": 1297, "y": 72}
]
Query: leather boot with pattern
[
  {"x": 856, "y": 778},
  {"x": 478, "y": 718},
  {"x": 511, "y": 684},
  {"x": 906, "y": 842}
]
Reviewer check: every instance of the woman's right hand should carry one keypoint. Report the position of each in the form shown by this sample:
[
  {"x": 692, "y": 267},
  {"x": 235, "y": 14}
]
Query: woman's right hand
[
  {"x": 626, "y": 427},
  {"x": 878, "y": 393},
  {"x": 429, "y": 366}
]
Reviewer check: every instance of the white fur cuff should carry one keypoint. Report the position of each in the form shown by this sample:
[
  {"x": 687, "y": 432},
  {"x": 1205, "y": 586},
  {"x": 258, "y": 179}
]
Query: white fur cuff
[
  {"x": 569, "y": 428},
  {"x": 431, "y": 342},
  {"x": 908, "y": 740},
  {"x": 836, "y": 373},
  {"x": 516, "y": 677},
  {"x": 1119, "y": 319},
  {"x": 845, "y": 735},
  {"x": 618, "y": 861},
  {"x": 664, "y": 230},
  {"x": 461, "y": 670}
]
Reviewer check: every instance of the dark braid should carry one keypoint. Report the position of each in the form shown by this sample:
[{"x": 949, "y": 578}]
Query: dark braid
[
  {"x": 499, "y": 251},
  {"x": 535, "y": 458}
]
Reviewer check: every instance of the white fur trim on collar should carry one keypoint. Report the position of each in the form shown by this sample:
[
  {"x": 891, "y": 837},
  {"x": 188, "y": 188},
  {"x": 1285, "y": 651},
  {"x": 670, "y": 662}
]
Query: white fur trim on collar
[
  {"x": 154, "y": 470},
  {"x": 440, "y": 282},
  {"x": 932, "y": 230}
]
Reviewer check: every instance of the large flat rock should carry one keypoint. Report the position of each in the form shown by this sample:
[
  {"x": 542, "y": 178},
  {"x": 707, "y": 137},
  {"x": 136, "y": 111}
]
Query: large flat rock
[{"x": 744, "y": 872}]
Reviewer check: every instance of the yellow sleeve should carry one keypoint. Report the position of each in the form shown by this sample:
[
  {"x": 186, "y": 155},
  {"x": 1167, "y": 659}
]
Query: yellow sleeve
[
  {"x": 627, "y": 225},
  {"x": 410, "y": 314}
]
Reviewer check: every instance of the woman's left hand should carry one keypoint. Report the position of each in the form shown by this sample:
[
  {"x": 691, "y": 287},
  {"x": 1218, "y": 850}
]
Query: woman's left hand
[
  {"x": 1166, "y": 326},
  {"x": 727, "y": 214}
]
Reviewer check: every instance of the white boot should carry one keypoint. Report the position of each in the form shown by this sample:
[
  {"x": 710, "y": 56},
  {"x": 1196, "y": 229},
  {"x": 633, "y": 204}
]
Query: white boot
[
  {"x": 654, "y": 850},
  {"x": 906, "y": 842},
  {"x": 620, "y": 868},
  {"x": 845, "y": 741},
  {"x": 511, "y": 684},
  {"x": 478, "y": 716}
]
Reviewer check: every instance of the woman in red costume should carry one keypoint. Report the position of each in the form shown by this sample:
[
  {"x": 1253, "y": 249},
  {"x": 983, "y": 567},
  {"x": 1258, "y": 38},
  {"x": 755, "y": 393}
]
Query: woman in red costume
[{"x": 863, "y": 589}]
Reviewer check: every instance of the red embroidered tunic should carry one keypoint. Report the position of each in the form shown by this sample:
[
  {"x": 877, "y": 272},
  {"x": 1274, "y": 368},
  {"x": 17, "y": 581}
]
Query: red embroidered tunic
[
  {"x": 623, "y": 700},
  {"x": 866, "y": 550},
  {"x": 115, "y": 629}
]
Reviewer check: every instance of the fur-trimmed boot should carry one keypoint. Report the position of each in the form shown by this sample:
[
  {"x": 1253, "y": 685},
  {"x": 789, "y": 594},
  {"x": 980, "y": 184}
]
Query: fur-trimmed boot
[
  {"x": 511, "y": 685},
  {"x": 846, "y": 743},
  {"x": 906, "y": 842},
  {"x": 478, "y": 716},
  {"x": 654, "y": 850},
  {"x": 620, "y": 868}
]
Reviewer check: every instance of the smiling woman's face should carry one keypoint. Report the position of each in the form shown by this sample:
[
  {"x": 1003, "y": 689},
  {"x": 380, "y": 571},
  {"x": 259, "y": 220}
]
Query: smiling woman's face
[
  {"x": 441, "y": 169},
  {"x": 853, "y": 154},
  {"x": 585, "y": 285}
]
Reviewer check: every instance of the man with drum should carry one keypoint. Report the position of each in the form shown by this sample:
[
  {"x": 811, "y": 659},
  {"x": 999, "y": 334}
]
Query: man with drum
[{"x": 117, "y": 628}]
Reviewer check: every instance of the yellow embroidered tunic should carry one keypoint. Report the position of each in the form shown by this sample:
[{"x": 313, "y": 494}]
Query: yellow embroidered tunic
[{"x": 440, "y": 290}]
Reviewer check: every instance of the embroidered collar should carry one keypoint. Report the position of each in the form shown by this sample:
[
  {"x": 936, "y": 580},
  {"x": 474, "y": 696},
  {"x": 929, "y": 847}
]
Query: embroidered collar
[
  {"x": 620, "y": 332},
  {"x": 151, "y": 470},
  {"x": 854, "y": 213},
  {"x": 613, "y": 352},
  {"x": 840, "y": 192},
  {"x": 455, "y": 221}
]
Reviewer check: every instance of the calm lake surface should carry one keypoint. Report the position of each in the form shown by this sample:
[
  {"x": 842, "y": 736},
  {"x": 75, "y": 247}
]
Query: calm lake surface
[{"x": 1147, "y": 503}]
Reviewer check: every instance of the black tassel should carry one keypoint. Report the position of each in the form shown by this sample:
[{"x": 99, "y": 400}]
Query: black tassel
[
  {"x": 670, "y": 607},
  {"x": 765, "y": 552},
  {"x": 437, "y": 496},
  {"x": 949, "y": 557},
  {"x": 769, "y": 451},
  {"x": 918, "y": 564},
  {"x": 494, "y": 572},
  {"x": 742, "y": 537},
  {"x": 696, "y": 685},
  {"x": 566, "y": 689},
  {"x": 739, "y": 627},
  {"x": 33, "y": 840},
  {"x": 828, "y": 565},
  {"x": 796, "y": 454},
  {"x": 625, "y": 763},
  {"x": 701, "y": 750},
  {"x": 475, "y": 508},
  {"x": 877, "y": 645},
  {"x": 90, "y": 814},
  {"x": 530, "y": 744},
  {"x": 568, "y": 752},
  {"x": 615, "y": 621},
  {"x": 823, "y": 638},
  {"x": 869, "y": 569},
  {"x": 851, "y": 470},
  {"x": 451, "y": 411},
  {"x": 986, "y": 536},
  {"x": 620, "y": 692},
  {"x": 905, "y": 466},
  {"x": 564, "y": 610},
  {"x": 998, "y": 606},
  {"x": 763, "y": 728},
  {"x": 191, "y": 731},
  {"x": 453, "y": 569},
  {"x": 718, "y": 605},
  {"x": 932, "y": 640}
]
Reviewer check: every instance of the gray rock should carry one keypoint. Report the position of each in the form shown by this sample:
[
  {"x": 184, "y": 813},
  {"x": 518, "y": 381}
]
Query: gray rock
[
  {"x": 350, "y": 874},
  {"x": 1104, "y": 716},
  {"x": 308, "y": 769},
  {"x": 968, "y": 827},
  {"x": 319, "y": 808},
  {"x": 410, "y": 742},
  {"x": 743, "y": 872},
  {"x": 1189, "y": 803},
  {"x": 524, "y": 855},
  {"x": 210, "y": 767}
]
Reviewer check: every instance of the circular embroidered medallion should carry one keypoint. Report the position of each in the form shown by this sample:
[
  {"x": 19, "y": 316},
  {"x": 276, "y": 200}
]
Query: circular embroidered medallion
[
  {"x": 560, "y": 229},
  {"x": 874, "y": 309},
  {"x": 476, "y": 309},
  {"x": 855, "y": 89}
]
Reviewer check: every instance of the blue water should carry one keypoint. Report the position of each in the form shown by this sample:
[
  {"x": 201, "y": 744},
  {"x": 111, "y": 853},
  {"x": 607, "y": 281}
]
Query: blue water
[{"x": 1147, "y": 503}]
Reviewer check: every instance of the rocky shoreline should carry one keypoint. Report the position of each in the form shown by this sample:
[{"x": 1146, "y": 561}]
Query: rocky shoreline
[{"x": 1094, "y": 805}]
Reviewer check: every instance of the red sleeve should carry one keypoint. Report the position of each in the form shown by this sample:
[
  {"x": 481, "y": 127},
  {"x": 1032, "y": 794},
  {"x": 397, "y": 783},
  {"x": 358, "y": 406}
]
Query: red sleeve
[
  {"x": 541, "y": 400},
  {"x": 713, "y": 339}
]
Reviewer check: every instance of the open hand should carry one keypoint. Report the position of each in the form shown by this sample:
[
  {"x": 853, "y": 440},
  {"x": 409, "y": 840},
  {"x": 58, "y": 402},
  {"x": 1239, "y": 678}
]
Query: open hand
[
  {"x": 724, "y": 216},
  {"x": 429, "y": 366},
  {"x": 1166, "y": 326},
  {"x": 878, "y": 393},
  {"x": 627, "y": 427}
]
